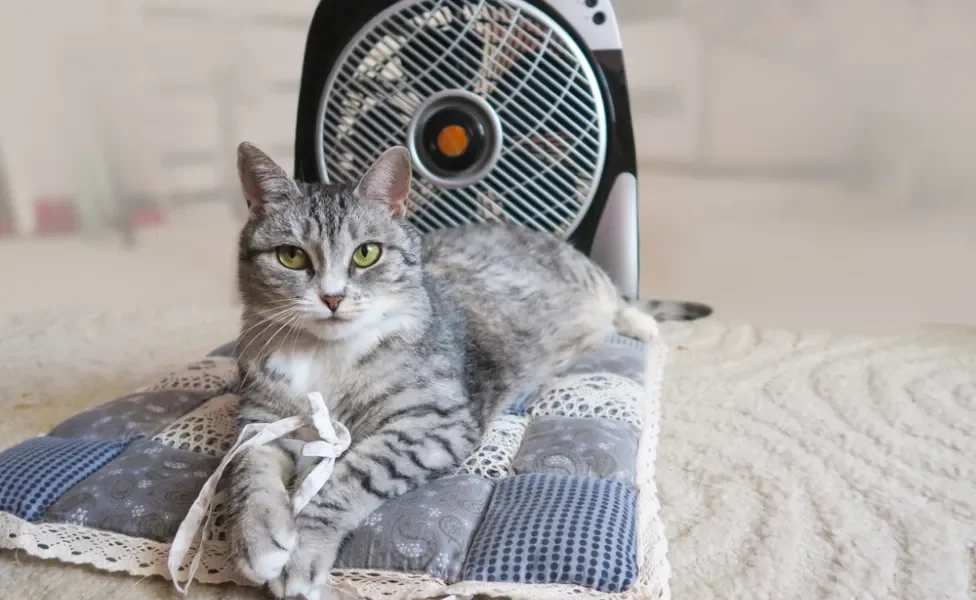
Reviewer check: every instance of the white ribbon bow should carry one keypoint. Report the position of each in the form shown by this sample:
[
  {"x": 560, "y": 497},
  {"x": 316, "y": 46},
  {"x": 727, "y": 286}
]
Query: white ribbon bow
[{"x": 333, "y": 440}]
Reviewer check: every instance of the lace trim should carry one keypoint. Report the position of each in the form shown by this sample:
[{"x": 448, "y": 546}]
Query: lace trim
[
  {"x": 140, "y": 557},
  {"x": 208, "y": 430},
  {"x": 501, "y": 440},
  {"x": 215, "y": 374},
  {"x": 115, "y": 552},
  {"x": 591, "y": 395}
]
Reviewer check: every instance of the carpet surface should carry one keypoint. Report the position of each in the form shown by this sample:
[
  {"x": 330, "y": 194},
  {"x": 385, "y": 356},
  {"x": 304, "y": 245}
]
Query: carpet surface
[{"x": 791, "y": 465}]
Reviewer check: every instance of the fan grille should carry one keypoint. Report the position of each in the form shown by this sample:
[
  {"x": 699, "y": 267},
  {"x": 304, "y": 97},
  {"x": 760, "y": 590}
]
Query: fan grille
[{"x": 526, "y": 67}]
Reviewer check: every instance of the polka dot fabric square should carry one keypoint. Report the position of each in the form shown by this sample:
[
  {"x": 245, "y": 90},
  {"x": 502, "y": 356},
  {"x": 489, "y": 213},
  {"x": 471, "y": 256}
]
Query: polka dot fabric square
[
  {"x": 36, "y": 473},
  {"x": 556, "y": 529}
]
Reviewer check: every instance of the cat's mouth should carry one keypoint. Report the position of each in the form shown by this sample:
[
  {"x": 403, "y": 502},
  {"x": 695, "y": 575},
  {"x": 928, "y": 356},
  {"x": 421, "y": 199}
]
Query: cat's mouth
[
  {"x": 332, "y": 327},
  {"x": 331, "y": 320}
]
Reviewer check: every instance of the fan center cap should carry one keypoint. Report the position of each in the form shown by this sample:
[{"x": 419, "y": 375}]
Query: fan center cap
[
  {"x": 453, "y": 141},
  {"x": 455, "y": 138}
]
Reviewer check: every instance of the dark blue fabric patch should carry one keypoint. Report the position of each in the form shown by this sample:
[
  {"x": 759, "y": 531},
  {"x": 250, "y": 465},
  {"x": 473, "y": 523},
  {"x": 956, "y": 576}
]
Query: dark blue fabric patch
[
  {"x": 518, "y": 406},
  {"x": 556, "y": 529},
  {"x": 226, "y": 350},
  {"x": 36, "y": 473}
]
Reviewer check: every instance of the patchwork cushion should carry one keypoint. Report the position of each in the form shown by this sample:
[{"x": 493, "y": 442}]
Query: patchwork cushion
[{"x": 556, "y": 501}]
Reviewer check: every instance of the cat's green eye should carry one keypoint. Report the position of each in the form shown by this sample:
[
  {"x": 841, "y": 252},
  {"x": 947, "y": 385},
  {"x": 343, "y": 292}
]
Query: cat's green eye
[
  {"x": 292, "y": 257},
  {"x": 366, "y": 255}
]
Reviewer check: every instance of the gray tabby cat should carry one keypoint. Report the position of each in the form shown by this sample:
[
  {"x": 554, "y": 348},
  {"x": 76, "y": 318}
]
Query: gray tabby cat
[{"x": 414, "y": 343}]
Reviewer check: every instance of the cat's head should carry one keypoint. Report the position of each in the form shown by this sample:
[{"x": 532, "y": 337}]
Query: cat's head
[{"x": 333, "y": 260}]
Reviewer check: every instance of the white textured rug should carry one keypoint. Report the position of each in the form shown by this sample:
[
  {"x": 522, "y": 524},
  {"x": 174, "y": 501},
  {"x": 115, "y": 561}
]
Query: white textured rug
[{"x": 791, "y": 466}]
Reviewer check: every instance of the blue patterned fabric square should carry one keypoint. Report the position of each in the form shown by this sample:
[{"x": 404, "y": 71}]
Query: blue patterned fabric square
[
  {"x": 35, "y": 473},
  {"x": 555, "y": 529}
]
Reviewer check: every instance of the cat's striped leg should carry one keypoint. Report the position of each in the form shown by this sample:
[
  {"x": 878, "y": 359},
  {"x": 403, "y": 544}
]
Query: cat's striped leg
[
  {"x": 412, "y": 446},
  {"x": 261, "y": 528}
]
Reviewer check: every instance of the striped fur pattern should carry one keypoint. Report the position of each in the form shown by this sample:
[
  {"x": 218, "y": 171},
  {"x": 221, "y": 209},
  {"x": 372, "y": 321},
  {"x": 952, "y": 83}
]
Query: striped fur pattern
[{"x": 423, "y": 347}]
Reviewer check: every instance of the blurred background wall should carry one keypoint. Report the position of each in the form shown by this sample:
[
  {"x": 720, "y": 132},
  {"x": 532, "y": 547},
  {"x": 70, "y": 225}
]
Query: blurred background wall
[
  {"x": 801, "y": 160},
  {"x": 109, "y": 101}
]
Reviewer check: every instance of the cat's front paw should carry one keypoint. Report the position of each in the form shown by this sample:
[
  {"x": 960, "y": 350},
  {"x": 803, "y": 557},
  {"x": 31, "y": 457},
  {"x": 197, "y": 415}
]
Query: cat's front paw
[
  {"x": 307, "y": 573},
  {"x": 263, "y": 535}
]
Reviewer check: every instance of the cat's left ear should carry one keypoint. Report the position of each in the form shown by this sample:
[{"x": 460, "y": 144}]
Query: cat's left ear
[{"x": 388, "y": 180}]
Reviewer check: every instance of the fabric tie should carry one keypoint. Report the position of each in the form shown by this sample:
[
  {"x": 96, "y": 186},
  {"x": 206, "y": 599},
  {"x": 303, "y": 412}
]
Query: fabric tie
[{"x": 332, "y": 440}]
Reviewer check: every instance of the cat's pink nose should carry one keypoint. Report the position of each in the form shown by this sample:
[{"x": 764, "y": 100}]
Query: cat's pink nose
[{"x": 332, "y": 302}]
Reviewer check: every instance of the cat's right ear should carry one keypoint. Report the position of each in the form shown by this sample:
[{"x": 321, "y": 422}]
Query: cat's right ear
[{"x": 262, "y": 180}]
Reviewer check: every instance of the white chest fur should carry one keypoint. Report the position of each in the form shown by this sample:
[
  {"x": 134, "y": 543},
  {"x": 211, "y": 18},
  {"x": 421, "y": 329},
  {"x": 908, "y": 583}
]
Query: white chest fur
[
  {"x": 332, "y": 367},
  {"x": 309, "y": 370}
]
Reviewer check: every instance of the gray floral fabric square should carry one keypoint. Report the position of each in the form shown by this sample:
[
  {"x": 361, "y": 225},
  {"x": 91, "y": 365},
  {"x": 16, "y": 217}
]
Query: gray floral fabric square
[
  {"x": 579, "y": 447},
  {"x": 621, "y": 358},
  {"x": 427, "y": 530},
  {"x": 145, "y": 492},
  {"x": 134, "y": 416}
]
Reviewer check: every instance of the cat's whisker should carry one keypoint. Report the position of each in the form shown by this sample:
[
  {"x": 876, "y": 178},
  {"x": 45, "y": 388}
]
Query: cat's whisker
[
  {"x": 248, "y": 330},
  {"x": 268, "y": 324},
  {"x": 268, "y": 319},
  {"x": 291, "y": 304},
  {"x": 296, "y": 332},
  {"x": 284, "y": 326},
  {"x": 264, "y": 315},
  {"x": 280, "y": 301},
  {"x": 280, "y": 318},
  {"x": 286, "y": 314},
  {"x": 262, "y": 312}
]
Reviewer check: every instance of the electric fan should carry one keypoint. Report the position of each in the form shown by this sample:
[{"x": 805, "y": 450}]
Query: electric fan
[{"x": 513, "y": 110}]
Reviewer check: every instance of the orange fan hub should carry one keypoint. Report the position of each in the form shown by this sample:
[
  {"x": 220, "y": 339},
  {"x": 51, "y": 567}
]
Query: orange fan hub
[{"x": 453, "y": 141}]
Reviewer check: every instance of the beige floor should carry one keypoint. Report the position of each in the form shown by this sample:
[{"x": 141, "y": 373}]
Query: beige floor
[{"x": 798, "y": 255}]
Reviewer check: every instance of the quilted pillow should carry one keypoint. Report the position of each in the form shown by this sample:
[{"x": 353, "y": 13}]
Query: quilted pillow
[{"x": 557, "y": 501}]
